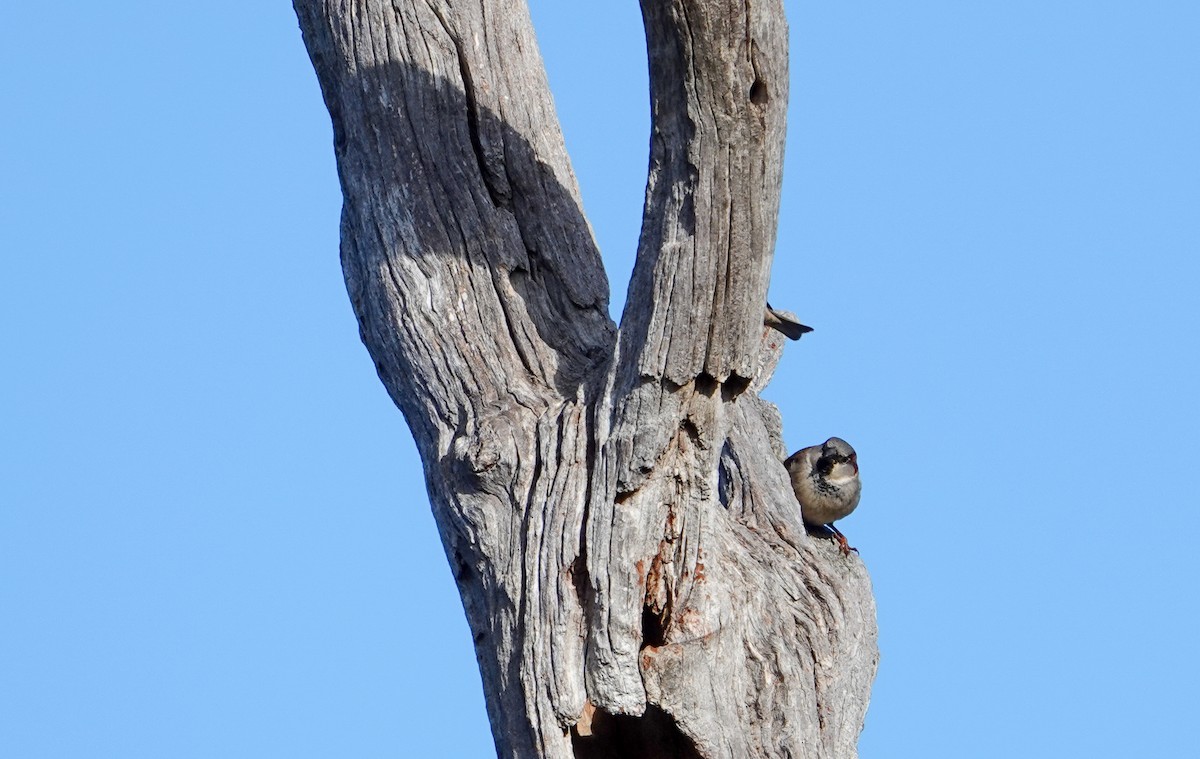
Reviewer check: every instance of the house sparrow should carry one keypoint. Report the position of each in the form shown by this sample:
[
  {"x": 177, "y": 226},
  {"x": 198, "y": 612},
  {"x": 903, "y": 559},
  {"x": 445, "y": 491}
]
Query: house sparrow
[
  {"x": 785, "y": 324},
  {"x": 825, "y": 479}
]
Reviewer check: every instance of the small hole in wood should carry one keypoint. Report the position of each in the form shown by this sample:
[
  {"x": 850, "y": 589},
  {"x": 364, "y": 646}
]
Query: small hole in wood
[
  {"x": 654, "y": 628},
  {"x": 654, "y": 735},
  {"x": 734, "y": 386},
  {"x": 758, "y": 93}
]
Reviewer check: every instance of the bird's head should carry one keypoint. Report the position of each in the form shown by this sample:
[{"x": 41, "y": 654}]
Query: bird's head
[{"x": 836, "y": 451}]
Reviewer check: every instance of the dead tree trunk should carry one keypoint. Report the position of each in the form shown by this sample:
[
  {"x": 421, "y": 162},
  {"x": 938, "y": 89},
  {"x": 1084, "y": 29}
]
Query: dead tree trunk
[{"x": 612, "y": 503}]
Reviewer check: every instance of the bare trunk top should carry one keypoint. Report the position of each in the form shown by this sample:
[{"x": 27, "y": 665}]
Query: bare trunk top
[{"x": 613, "y": 504}]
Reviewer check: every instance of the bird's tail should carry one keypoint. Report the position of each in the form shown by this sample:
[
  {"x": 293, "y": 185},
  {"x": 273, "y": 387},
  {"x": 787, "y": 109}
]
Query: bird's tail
[{"x": 785, "y": 324}]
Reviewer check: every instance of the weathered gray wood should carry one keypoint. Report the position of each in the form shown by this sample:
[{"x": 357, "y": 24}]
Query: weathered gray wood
[{"x": 613, "y": 505}]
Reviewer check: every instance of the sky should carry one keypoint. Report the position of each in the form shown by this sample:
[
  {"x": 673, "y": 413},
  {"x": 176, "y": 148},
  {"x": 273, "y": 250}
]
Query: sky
[{"x": 214, "y": 535}]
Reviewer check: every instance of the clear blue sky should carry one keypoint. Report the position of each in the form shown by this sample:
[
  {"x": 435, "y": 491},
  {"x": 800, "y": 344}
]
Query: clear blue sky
[{"x": 214, "y": 539}]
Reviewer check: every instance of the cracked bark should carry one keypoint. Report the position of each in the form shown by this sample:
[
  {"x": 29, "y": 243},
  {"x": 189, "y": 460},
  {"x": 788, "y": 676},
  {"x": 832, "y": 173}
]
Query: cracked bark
[{"x": 612, "y": 503}]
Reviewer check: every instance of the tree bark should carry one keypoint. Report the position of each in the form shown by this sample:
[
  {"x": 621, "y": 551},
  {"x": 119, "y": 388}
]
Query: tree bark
[{"x": 613, "y": 504}]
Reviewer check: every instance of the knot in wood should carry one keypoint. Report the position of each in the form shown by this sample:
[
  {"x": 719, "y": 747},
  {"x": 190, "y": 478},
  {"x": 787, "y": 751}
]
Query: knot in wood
[{"x": 488, "y": 458}]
